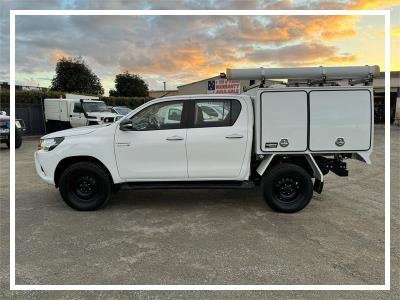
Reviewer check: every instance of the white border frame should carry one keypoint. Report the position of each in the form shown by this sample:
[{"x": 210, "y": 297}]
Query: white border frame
[{"x": 385, "y": 13}]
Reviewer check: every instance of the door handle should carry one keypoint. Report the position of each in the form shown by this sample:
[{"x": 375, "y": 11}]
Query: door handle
[
  {"x": 234, "y": 136},
  {"x": 175, "y": 138},
  {"x": 123, "y": 144}
]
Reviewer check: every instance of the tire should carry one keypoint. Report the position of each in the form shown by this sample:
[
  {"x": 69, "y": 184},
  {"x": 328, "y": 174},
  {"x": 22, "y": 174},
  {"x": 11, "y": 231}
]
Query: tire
[
  {"x": 85, "y": 186},
  {"x": 18, "y": 138},
  {"x": 49, "y": 127},
  {"x": 287, "y": 188}
]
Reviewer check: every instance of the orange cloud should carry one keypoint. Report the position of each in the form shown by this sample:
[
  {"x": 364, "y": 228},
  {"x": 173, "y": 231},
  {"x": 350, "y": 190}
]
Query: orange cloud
[
  {"x": 336, "y": 34},
  {"x": 330, "y": 27},
  {"x": 395, "y": 32},
  {"x": 57, "y": 54},
  {"x": 373, "y": 4},
  {"x": 185, "y": 62},
  {"x": 307, "y": 28}
]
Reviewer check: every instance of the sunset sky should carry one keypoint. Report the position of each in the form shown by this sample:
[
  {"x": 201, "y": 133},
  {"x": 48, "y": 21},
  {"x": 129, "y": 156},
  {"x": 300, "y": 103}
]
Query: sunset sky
[{"x": 182, "y": 49}]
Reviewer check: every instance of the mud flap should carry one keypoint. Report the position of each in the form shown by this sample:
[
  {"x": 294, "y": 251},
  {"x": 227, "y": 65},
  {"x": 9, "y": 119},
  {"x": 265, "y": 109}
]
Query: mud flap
[{"x": 318, "y": 186}]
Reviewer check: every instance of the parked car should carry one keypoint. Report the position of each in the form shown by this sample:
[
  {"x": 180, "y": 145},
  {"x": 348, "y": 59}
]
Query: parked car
[
  {"x": 120, "y": 110},
  {"x": 76, "y": 111},
  {"x": 20, "y": 129}
]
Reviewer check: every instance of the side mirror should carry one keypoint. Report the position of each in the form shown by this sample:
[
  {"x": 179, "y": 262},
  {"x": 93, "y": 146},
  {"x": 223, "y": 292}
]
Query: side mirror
[{"x": 126, "y": 125}]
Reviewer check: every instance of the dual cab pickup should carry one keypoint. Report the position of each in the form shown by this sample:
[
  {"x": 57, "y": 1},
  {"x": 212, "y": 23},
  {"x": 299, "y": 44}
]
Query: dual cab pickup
[{"x": 284, "y": 139}]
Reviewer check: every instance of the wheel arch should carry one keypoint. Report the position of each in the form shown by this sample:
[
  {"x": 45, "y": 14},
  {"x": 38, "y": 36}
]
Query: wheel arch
[
  {"x": 68, "y": 161},
  {"x": 306, "y": 161}
]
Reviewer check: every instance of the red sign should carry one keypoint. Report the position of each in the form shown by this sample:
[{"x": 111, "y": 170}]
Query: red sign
[{"x": 223, "y": 86}]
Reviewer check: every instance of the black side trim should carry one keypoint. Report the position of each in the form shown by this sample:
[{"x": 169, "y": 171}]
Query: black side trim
[
  {"x": 187, "y": 185},
  {"x": 187, "y": 107}
]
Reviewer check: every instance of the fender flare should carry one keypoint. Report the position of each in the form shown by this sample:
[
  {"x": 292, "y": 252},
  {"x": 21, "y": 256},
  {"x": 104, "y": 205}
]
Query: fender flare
[{"x": 262, "y": 167}]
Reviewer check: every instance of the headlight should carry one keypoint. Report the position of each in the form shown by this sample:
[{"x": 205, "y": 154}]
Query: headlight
[
  {"x": 108, "y": 119},
  {"x": 49, "y": 144}
]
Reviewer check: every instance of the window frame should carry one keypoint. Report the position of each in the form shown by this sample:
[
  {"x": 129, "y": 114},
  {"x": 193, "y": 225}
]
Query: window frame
[
  {"x": 192, "y": 111},
  {"x": 184, "y": 118}
]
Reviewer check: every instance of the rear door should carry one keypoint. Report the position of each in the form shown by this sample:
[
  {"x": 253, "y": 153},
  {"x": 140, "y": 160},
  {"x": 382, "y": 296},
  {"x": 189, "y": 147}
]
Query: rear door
[
  {"x": 63, "y": 106},
  {"x": 216, "y": 142}
]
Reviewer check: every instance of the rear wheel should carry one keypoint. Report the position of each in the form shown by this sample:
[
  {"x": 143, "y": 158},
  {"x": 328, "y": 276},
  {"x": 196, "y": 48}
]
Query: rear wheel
[
  {"x": 287, "y": 188},
  {"x": 18, "y": 138},
  {"x": 85, "y": 186}
]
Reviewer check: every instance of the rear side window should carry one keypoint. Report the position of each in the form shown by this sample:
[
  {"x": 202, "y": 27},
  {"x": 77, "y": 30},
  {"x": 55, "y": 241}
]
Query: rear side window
[{"x": 216, "y": 113}]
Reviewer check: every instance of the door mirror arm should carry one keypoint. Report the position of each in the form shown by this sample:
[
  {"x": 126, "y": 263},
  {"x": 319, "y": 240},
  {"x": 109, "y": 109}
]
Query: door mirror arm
[{"x": 126, "y": 125}]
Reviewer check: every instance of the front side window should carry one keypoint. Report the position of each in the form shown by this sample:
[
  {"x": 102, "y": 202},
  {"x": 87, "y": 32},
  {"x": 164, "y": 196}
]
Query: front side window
[
  {"x": 216, "y": 113},
  {"x": 78, "y": 108},
  {"x": 159, "y": 116}
]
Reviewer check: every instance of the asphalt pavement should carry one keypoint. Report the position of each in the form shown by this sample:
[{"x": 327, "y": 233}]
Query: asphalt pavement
[{"x": 203, "y": 237}]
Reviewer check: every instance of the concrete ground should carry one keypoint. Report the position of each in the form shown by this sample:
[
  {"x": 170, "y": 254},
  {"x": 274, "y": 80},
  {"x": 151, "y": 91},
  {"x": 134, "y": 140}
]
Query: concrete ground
[{"x": 203, "y": 237}]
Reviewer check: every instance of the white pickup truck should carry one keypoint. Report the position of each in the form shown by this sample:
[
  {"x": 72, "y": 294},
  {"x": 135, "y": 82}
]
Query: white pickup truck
[
  {"x": 76, "y": 111},
  {"x": 284, "y": 139}
]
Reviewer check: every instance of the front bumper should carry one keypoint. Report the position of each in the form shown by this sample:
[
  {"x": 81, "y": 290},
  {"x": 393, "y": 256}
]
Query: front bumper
[{"x": 45, "y": 164}]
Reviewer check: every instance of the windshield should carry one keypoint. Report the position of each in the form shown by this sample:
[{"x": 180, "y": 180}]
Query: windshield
[
  {"x": 94, "y": 106},
  {"x": 122, "y": 110}
]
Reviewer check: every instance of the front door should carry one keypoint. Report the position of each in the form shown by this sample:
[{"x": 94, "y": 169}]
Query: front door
[
  {"x": 154, "y": 150},
  {"x": 216, "y": 145},
  {"x": 77, "y": 118}
]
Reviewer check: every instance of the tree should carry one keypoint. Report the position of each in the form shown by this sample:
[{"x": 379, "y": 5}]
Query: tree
[
  {"x": 129, "y": 85},
  {"x": 74, "y": 75}
]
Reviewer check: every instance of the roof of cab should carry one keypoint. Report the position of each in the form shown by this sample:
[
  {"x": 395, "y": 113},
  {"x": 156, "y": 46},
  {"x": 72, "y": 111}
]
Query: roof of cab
[{"x": 191, "y": 97}]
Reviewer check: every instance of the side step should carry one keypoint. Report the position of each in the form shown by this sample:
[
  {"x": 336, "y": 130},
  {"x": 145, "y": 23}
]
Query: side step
[{"x": 187, "y": 185}]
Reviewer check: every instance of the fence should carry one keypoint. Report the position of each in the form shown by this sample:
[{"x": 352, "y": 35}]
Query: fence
[
  {"x": 29, "y": 106},
  {"x": 33, "y": 117}
]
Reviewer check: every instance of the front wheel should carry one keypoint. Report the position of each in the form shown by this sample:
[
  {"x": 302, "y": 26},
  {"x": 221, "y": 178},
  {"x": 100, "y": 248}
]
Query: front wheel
[
  {"x": 287, "y": 188},
  {"x": 85, "y": 186}
]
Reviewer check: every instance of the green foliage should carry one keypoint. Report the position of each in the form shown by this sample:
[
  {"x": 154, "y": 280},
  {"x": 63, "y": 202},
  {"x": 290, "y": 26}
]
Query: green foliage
[
  {"x": 73, "y": 75},
  {"x": 25, "y": 98},
  {"x": 129, "y": 85},
  {"x": 131, "y": 102}
]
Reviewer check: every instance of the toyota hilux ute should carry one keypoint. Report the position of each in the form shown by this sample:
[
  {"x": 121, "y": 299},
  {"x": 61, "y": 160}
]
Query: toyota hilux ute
[{"x": 281, "y": 138}]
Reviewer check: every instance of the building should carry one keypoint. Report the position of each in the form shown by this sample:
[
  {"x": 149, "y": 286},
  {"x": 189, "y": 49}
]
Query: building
[
  {"x": 162, "y": 93},
  {"x": 6, "y": 85},
  {"x": 218, "y": 85},
  {"x": 379, "y": 97}
]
